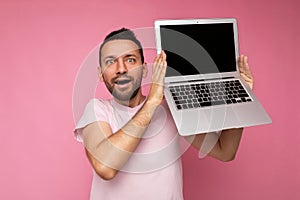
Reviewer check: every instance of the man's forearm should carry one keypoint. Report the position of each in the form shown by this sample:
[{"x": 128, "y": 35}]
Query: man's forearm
[
  {"x": 228, "y": 144},
  {"x": 223, "y": 147},
  {"x": 116, "y": 149}
]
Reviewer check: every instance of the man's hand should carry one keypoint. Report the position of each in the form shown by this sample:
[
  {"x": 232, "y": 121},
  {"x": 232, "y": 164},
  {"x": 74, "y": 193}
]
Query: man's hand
[
  {"x": 245, "y": 70},
  {"x": 159, "y": 67}
]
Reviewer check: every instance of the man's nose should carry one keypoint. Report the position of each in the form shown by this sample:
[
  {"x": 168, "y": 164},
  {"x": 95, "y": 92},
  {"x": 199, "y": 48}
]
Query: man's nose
[{"x": 121, "y": 67}]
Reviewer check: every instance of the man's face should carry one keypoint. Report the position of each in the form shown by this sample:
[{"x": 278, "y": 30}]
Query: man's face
[{"x": 122, "y": 69}]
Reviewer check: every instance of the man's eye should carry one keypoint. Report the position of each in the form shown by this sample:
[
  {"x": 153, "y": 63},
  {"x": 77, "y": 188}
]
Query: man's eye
[
  {"x": 109, "y": 62},
  {"x": 131, "y": 60}
]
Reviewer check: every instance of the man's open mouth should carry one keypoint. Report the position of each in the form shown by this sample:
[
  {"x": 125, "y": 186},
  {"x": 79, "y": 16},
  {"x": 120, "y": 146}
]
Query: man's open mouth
[{"x": 122, "y": 82}]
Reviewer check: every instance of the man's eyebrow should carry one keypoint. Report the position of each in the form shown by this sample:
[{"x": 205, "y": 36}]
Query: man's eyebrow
[
  {"x": 124, "y": 55},
  {"x": 109, "y": 57},
  {"x": 130, "y": 55}
]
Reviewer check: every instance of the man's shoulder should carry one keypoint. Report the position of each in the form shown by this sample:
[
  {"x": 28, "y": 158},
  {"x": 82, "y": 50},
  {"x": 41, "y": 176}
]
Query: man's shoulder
[
  {"x": 98, "y": 101},
  {"x": 96, "y": 104}
]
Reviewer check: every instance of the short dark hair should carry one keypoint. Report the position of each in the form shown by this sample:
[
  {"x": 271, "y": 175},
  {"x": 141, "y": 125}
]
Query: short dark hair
[{"x": 122, "y": 34}]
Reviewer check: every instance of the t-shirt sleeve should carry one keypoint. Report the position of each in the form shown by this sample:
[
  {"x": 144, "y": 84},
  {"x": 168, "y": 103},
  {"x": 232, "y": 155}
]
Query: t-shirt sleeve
[{"x": 94, "y": 111}]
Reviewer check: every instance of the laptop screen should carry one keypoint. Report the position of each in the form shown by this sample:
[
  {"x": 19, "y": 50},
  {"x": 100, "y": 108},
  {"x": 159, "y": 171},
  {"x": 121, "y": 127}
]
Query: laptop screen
[{"x": 198, "y": 48}]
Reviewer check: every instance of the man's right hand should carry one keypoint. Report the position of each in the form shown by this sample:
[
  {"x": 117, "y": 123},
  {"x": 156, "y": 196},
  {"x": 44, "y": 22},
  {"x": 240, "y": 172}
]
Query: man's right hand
[{"x": 159, "y": 67}]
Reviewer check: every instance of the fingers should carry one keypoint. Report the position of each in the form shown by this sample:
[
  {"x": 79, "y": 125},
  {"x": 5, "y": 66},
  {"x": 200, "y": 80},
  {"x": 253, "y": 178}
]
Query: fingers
[
  {"x": 246, "y": 78},
  {"x": 160, "y": 58},
  {"x": 241, "y": 61},
  {"x": 164, "y": 55},
  {"x": 243, "y": 65},
  {"x": 156, "y": 92},
  {"x": 157, "y": 58},
  {"x": 245, "y": 70},
  {"x": 160, "y": 63}
]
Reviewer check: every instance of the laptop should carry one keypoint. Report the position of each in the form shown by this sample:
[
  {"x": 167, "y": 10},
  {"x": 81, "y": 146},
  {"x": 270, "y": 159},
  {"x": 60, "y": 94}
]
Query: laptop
[{"x": 203, "y": 86}]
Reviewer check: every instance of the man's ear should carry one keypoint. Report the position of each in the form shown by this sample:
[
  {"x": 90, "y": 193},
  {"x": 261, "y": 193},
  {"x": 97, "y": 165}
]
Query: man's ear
[
  {"x": 145, "y": 70},
  {"x": 100, "y": 75}
]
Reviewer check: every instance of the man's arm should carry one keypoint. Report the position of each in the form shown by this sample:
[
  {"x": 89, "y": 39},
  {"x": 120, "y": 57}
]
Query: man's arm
[
  {"x": 225, "y": 145},
  {"x": 108, "y": 152}
]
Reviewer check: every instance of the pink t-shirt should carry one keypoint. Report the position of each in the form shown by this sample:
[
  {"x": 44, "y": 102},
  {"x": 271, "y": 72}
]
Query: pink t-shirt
[{"x": 154, "y": 170}]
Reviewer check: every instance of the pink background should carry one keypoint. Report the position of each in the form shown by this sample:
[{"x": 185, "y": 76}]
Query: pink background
[{"x": 42, "y": 48}]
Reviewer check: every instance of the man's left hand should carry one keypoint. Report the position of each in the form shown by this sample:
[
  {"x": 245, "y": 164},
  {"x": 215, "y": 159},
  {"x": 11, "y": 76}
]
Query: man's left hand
[{"x": 245, "y": 70}]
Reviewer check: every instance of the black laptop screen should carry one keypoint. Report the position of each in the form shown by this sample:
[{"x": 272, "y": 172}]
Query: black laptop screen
[{"x": 198, "y": 48}]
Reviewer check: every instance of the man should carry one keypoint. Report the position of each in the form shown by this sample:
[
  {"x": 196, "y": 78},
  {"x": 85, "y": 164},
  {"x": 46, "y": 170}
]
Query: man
[{"x": 118, "y": 134}]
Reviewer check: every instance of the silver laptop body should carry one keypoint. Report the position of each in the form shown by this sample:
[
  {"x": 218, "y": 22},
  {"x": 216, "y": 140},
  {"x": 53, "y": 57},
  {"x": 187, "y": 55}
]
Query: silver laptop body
[{"x": 203, "y": 86}]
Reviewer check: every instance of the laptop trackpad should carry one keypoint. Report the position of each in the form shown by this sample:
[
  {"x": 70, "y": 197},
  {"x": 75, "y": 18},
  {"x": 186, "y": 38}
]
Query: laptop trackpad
[{"x": 222, "y": 118}]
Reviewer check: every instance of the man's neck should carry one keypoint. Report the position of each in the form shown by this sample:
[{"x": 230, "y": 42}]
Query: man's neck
[{"x": 135, "y": 101}]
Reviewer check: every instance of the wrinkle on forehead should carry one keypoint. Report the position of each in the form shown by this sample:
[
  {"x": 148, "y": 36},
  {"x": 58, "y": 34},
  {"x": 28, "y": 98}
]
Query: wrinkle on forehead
[{"x": 117, "y": 48}]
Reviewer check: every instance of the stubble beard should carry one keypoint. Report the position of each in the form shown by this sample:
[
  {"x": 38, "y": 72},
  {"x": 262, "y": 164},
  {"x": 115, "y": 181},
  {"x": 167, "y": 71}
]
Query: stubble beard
[{"x": 126, "y": 95}]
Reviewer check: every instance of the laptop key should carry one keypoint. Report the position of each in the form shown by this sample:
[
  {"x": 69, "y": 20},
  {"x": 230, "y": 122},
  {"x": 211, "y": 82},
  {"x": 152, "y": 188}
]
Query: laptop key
[
  {"x": 179, "y": 107},
  {"x": 243, "y": 95},
  {"x": 228, "y": 101},
  {"x": 196, "y": 105},
  {"x": 218, "y": 102},
  {"x": 190, "y": 105},
  {"x": 242, "y": 91},
  {"x": 204, "y": 104}
]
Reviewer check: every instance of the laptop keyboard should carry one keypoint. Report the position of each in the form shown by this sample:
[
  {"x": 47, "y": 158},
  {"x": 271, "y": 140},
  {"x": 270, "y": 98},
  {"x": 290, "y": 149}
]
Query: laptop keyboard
[{"x": 197, "y": 95}]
